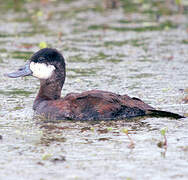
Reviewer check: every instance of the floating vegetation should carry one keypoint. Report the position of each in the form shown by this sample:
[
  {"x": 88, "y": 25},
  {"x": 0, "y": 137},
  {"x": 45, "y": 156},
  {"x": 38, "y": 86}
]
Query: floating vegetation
[
  {"x": 133, "y": 42},
  {"x": 114, "y": 60},
  {"x": 4, "y": 35},
  {"x": 163, "y": 144},
  {"x": 46, "y": 157},
  {"x": 17, "y": 108},
  {"x": 77, "y": 58},
  {"x": 185, "y": 41},
  {"x": 21, "y": 55},
  {"x": 16, "y": 92},
  {"x": 163, "y": 26},
  {"x": 17, "y": 5},
  {"x": 1, "y": 60},
  {"x": 42, "y": 44},
  {"x": 84, "y": 71},
  {"x": 153, "y": 7},
  {"x": 99, "y": 56},
  {"x": 132, "y": 144},
  {"x": 141, "y": 75}
]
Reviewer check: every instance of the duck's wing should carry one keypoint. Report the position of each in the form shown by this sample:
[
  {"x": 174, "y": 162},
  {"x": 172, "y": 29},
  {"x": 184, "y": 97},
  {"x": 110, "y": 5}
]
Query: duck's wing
[
  {"x": 149, "y": 110},
  {"x": 98, "y": 105},
  {"x": 136, "y": 102}
]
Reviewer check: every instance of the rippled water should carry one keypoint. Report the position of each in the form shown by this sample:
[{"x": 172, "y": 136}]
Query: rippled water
[{"x": 109, "y": 50}]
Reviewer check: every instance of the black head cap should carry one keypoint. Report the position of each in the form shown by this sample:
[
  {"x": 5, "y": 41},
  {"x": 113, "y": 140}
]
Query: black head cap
[{"x": 49, "y": 56}]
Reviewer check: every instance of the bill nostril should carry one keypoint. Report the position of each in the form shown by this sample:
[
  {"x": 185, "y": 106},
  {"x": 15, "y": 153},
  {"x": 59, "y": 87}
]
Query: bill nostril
[{"x": 21, "y": 68}]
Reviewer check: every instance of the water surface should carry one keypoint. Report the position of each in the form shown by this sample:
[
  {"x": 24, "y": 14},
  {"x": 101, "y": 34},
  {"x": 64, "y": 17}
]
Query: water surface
[{"x": 126, "y": 53}]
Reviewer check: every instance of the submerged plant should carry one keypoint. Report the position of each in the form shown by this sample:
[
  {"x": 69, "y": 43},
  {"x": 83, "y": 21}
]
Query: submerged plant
[
  {"x": 131, "y": 144},
  {"x": 163, "y": 144}
]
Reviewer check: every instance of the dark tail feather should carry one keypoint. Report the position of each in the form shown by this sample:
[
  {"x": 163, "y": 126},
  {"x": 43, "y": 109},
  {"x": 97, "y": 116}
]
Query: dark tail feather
[{"x": 158, "y": 113}]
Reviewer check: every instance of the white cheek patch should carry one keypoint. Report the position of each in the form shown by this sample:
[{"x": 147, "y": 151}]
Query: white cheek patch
[{"x": 41, "y": 70}]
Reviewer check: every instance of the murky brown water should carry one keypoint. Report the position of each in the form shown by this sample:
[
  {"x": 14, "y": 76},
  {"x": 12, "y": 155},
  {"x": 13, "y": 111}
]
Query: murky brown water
[{"x": 106, "y": 50}]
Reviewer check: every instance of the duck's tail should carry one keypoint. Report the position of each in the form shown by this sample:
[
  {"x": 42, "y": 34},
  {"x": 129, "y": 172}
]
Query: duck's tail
[{"x": 158, "y": 113}]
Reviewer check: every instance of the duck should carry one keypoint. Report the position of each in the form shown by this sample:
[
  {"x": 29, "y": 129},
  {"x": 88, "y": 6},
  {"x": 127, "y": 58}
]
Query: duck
[{"x": 48, "y": 65}]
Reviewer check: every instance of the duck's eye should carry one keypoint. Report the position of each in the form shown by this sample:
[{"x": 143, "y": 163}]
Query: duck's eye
[{"x": 41, "y": 59}]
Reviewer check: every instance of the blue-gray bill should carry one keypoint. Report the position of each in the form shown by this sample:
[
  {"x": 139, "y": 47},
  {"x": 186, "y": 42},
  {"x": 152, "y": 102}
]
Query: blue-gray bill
[{"x": 23, "y": 71}]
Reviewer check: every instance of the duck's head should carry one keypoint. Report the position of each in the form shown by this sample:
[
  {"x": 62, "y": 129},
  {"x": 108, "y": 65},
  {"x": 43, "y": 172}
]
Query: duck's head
[{"x": 46, "y": 64}]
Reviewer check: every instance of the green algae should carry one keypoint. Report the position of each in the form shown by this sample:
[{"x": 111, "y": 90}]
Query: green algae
[
  {"x": 152, "y": 7},
  {"x": 16, "y": 108},
  {"x": 4, "y": 35},
  {"x": 16, "y": 92},
  {"x": 141, "y": 75},
  {"x": 98, "y": 57},
  {"x": 133, "y": 42},
  {"x": 1, "y": 60},
  {"x": 85, "y": 71},
  {"x": 16, "y": 5},
  {"x": 185, "y": 41},
  {"x": 3, "y": 50},
  {"x": 114, "y": 60},
  {"x": 77, "y": 58},
  {"x": 160, "y": 27},
  {"x": 21, "y": 55}
]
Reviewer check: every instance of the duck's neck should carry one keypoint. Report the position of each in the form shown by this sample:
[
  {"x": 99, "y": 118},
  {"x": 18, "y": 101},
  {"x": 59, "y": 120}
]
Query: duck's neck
[{"x": 48, "y": 91}]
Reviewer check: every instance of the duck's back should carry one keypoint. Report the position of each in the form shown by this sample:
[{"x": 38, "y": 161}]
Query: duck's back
[{"x": 93, "y": 105}]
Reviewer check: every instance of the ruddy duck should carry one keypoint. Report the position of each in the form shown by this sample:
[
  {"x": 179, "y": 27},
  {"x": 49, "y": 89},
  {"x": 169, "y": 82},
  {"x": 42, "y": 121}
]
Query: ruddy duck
[{"x": 48, "y": 66}]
